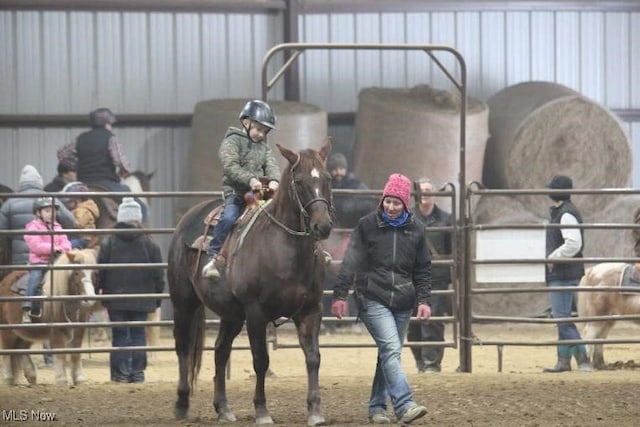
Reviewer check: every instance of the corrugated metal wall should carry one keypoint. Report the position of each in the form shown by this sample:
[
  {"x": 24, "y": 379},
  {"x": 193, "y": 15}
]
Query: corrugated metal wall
[
  {"x": 72, "y": 62},
  {"x": 595, "y": 53},
  {"x": 164, "y": 62}
]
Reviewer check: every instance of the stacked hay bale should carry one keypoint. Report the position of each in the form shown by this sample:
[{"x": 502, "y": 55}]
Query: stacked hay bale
[
  {"x": 540, "y": 129},
  {"x": 416, "y": 132},
  {"x": 298, "y": 126}
]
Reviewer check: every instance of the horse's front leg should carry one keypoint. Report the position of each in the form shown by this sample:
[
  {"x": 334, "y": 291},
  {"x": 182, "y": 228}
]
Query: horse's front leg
[
  {"x": 8, "y": 371},
  {"x": 227, "y": 333},
  {"x": 58, "y": 340},
  {"x": 77, "y": 373},
  {"x": 308, "y": 327},
  {"x": 29, "y": 368},
  {"x": 257, "y": 331}
]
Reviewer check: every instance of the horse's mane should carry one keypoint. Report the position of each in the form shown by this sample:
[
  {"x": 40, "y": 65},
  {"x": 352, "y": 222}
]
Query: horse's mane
[{"x": 61, "y": 277}]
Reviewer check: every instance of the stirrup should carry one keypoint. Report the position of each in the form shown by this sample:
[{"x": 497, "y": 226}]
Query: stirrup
[{"x": 26, "y": 318}]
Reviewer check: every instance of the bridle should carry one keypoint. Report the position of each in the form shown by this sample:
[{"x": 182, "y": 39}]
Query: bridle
[{"x": 305, "y": 218}]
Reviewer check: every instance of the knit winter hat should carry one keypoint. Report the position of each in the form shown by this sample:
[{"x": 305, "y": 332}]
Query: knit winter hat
[
  {"x": 30, "y": 177},
  {"x": 560, "y": 182},
  {"x": 337, "y": 160},
  {"x": 129, "y": 210},
  {"x": 398, "y": 186}
]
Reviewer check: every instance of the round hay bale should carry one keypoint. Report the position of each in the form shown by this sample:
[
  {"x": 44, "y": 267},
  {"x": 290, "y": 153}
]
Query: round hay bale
[
  {"x": 502, "y": 210},
  {"x": 416, "y": 132},
  {"x": 540, "y": 129},
  {"x": 602, "y": 242},
  {"x": 298, "y": 126}
]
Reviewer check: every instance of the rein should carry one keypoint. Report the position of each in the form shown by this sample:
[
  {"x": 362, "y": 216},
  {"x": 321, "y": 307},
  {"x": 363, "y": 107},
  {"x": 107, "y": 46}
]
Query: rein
[{"x": 302, "y": 208}]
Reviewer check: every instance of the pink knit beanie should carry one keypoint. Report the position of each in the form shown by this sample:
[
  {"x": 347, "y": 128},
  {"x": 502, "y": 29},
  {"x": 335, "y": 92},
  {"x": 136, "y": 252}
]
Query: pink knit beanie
[{"x": 398, "y": 186}]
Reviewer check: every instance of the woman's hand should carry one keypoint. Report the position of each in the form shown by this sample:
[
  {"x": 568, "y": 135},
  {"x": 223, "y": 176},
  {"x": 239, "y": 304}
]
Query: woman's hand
[
  {"x": 339, "y": 308},
  {"x": 424, "y": 312}
]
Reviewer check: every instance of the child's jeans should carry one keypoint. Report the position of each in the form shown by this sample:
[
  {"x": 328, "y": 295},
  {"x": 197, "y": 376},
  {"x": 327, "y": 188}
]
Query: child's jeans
[
  {"x": 35, "y": 277},
  {"x": 233, "y": 206},
  {"x": 78, "y": 243}
]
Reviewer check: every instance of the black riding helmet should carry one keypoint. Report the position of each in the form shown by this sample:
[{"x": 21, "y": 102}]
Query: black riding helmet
[
  {"x": 259, "y": 111},
  {"x": 101, "y": 117},
  {"x": 44, "y": 202}
]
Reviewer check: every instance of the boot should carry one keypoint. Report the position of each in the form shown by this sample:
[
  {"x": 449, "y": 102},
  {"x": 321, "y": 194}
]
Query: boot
[
  {"x": 582, "y": 357},
  {"x": 210, "y": 270},
  {"x": 564, "y": 360}
]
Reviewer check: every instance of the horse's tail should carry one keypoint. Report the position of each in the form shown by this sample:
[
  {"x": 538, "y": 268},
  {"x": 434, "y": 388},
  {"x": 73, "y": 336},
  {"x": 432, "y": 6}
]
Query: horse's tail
[{"x": 196, "y": 345}]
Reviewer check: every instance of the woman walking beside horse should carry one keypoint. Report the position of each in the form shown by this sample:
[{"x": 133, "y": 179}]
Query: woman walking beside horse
[{"x": 390, "y": 248}]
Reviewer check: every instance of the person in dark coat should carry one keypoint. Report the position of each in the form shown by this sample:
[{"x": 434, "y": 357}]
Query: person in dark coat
[
  {"x": 66, "y": 174},
  {"x": 129, "y": 366},
  {"x": 389, "y": 249},
  {"x": 17, "y": 212},
  {"x": 429, "y": 359}
]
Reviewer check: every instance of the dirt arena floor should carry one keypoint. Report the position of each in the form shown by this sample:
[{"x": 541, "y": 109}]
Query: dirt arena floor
[{"x": 519, "y": 396}]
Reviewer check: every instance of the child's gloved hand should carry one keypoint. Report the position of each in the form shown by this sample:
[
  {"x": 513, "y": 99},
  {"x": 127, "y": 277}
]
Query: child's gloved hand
[
  {"x": 274, "y": 185},
  {"x": 255, "y": 184}
]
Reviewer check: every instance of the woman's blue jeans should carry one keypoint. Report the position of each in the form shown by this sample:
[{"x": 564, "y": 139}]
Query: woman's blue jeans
[
  {"x": 127, "y": 366},
  {"x": 388, "y": 329},
  {"x": 561, "y": 305}
]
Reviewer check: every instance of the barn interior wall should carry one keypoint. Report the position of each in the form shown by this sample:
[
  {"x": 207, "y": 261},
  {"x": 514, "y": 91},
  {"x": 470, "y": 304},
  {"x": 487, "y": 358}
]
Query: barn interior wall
[{"x": 68, "y": 62}]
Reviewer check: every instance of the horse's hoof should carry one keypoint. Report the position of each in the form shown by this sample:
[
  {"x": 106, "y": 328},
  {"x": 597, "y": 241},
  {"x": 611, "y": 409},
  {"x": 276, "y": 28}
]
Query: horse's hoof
[
  {"x": 32, "y": 380},
  {"x": 261, "y": 421},
  {"x": 180, "y": 412},
  {"x": 79, "y": 380},
  {"x": 226, "y": 417},
  {"x": 316, "y": 420}
]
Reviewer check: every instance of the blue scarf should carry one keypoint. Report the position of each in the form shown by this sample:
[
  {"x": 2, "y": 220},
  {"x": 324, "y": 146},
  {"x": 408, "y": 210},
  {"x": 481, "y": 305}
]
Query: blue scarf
[{"x": 397, "y": 222}]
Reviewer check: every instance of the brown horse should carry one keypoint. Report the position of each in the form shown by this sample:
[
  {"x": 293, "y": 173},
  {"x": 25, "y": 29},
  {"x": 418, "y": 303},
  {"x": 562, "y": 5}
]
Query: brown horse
[
  {"x": 605, "y": 303},
  {"x": 56, "y": 282},
  {"x": 276, "y": 271}
]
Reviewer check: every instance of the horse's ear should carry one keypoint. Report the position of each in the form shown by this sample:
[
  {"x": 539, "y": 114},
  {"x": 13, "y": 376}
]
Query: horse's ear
[
  {"x": 326, "y": 148},
  {"x": 71, "y": 255},
  {"x": 288, "y": 154},
  {"x": 150, "y": 175}
]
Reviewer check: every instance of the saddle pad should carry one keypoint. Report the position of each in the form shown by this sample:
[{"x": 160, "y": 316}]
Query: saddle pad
[{"x": 630, "y": 277}]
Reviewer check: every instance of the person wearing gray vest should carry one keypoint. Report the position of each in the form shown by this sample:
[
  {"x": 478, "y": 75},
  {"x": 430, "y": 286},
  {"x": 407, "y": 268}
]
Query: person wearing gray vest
[{"x": 565, "y": 243}]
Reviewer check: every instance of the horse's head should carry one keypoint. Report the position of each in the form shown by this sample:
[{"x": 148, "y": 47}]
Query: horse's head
[
  {"x": 80, "y": 281},
  {"x": 309, "y": 187}
]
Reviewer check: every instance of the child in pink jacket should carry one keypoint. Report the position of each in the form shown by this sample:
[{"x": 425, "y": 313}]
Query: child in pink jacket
[{"x": 41, "y": 248}]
